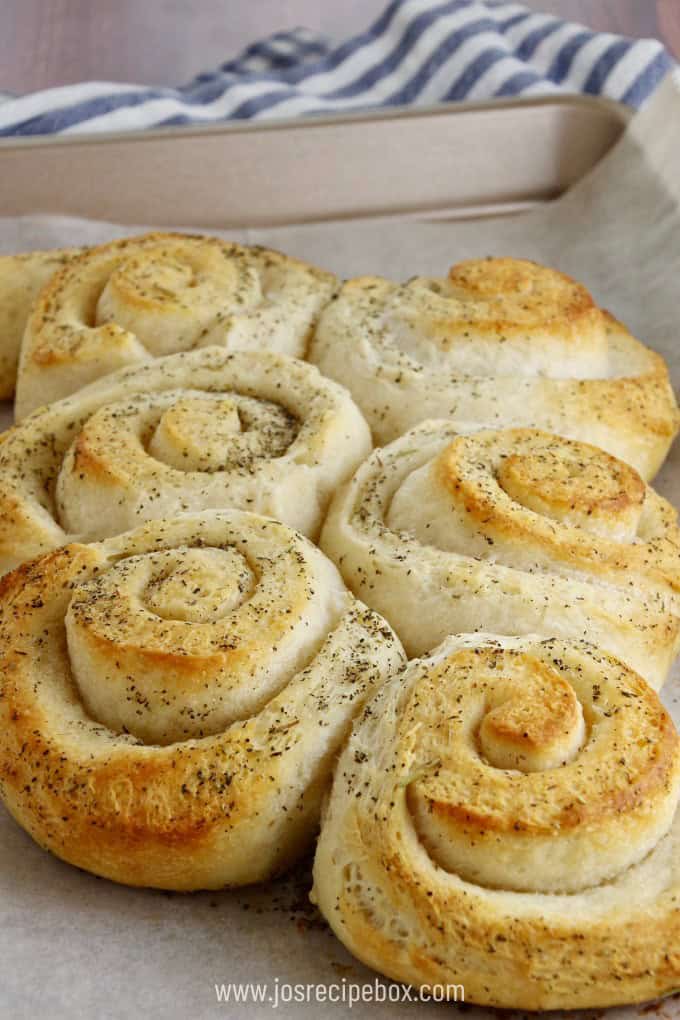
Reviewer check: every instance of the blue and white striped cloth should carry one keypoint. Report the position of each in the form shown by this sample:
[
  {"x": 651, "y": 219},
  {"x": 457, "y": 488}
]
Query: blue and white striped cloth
[{"x": 417, "y": 52}]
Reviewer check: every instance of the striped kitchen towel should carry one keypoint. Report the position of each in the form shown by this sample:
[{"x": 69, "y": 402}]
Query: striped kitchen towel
[{"x": 417, "y": 52}]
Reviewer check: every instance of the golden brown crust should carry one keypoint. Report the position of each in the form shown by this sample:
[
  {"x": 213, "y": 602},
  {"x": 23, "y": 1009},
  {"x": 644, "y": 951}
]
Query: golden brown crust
[
  {"x": 196, "y": 768},
  {"x": 506, "y": 295},
  {"x": 596, "y": 485},
  {"x": 498, "y": 343},
  {"x": 590, "y": 795},
  {"x": 580, "y": 500},
  {"x": 121, "y": 303},
  {"x": 535, "y": 888},
  {"x": 21, "y": 279}
]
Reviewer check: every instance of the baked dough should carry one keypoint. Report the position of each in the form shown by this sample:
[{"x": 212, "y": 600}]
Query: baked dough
[
  {"x": 201, "y": 430},
  {"x": 498, "y": 343},
  {"x": 505, "y": 817},
  {"x": 125, "y": 302},
  {"x": 174, "y": 698},
  {"x": 21, "y": 278},
  {"x": 514, "y": 531}
]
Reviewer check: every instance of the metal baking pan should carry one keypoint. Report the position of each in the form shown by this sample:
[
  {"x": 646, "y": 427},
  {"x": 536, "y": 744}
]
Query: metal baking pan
[{"x": 436, "y": 161}]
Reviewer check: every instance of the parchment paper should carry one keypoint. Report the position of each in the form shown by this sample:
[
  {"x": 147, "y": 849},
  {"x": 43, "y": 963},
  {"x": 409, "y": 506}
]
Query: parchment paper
[{"x": 75, "y": 946}]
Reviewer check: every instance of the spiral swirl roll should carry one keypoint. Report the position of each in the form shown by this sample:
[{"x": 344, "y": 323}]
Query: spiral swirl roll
[
  {"x": 128, "y": 301},
  {"x": 505, "y": 816},
  {"x": 202, "y": 430},
  {"x": 513, "y": 532},
  {"x": 173, "y": 698},
  {"x": 498, "y": 343}
]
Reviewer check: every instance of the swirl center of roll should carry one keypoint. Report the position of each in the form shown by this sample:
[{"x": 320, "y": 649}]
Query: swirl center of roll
[
  {"x": 198, "y": 585},
  {"x": 179, "y": 282},
  {"x": 539, "y": 727},
  {"x": 520, "y": 494},
  {"x": 519, "y": 292},
  {"x": 150, "y": 638},
  {"x": 500, "y": 317},
  {"x": 192, "y": 434},
  {"x": 526, "y": 766},
  {"x": 179, "y": 642},
  {"x": 209, "y": 432},
  {"x": 576, "y": 484}
]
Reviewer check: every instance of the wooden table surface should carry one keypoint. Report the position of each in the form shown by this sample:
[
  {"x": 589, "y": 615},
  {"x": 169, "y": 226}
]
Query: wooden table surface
[{"x": 54, "y": 42}]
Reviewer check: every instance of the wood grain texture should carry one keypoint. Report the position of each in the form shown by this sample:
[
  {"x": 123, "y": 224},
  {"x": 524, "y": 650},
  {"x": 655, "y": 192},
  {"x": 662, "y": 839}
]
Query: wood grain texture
[
  {"x": 54, "y": 42},
  {"x": 623, "y": 17},
  {"x": 668, "y": 15}
]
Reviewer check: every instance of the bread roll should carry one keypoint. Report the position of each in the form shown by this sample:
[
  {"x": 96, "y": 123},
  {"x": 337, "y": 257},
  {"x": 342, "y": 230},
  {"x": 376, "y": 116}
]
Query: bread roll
[
  {"x": 174, "y": 698},
  {"x": 498, "y": 343},
  {"x": 505, "y": 817},
  {"x": 515, "y": 532},
  {"x": 125, "y": 302},
  {"x": 21, "y": 278},
  {"x": 201, "y": 430}
]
